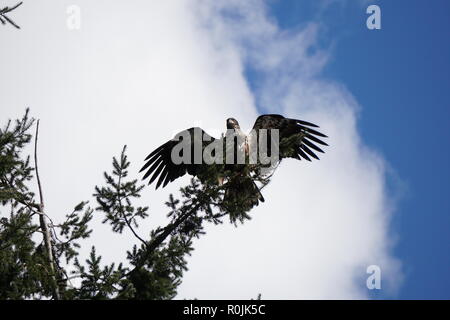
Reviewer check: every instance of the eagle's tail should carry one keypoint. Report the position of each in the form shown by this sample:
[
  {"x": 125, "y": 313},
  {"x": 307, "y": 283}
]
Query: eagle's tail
[{"x": 241, "y": 195}]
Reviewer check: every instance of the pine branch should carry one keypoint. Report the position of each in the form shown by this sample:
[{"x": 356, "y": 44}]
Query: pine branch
[
  {"x": 123, "y": 160},
  {"x": 34, "y": 208},
  {"x": 4, "y": 18},
  {"x": 155, "y": 243}
]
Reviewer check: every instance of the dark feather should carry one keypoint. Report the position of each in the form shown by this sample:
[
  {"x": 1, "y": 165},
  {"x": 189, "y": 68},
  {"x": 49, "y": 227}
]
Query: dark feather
[
  {"x": 159, "y": 162},
  {"x": 288, "y": 129},
  {"x": 308, "y": 151},
  {"x": 149, "y": 162},
  {"x": 306, "y": 123},
  {"x": 303, "y": 154},
  {"x": 307, "y": 135},
  {"x": 153, "y": 167},
  {"x": 317, "y": 133},
  {"x": 157, "y": 172},
  {"x": 156, "y": 151},
  {"x": 162, "y": 176},
  {"x": 312, "y": 145}
]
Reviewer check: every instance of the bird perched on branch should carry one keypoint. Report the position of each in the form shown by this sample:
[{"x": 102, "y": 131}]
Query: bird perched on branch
[{"x": 236, "y": 159}]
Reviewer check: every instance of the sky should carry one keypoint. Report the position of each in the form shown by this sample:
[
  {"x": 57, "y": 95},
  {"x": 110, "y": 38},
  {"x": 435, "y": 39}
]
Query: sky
[
  {"x": 401, "y": 75},
  {"x": 138, "y": 74}
]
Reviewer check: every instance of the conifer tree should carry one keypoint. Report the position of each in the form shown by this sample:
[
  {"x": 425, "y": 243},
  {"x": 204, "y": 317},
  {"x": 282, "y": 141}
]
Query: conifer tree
[{"x": 36, "y": 251}]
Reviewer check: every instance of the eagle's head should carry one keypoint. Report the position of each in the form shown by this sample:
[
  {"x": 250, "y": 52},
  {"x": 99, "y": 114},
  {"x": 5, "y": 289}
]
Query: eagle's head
[{"x": 232, "y": 124}]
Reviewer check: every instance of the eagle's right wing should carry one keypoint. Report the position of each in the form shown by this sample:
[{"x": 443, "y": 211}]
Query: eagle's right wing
[
  {"x": 297, "y": 137},
  {"x": 160, "y": 164}
]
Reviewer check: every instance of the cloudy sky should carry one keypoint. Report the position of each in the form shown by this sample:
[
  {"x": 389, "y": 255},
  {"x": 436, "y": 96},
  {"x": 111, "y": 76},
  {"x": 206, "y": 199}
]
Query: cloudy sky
[{"x": 137, "y": 73}]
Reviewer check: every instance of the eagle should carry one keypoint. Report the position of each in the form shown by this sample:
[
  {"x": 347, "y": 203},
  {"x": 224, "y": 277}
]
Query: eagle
[{"x": 296, "y": 139}]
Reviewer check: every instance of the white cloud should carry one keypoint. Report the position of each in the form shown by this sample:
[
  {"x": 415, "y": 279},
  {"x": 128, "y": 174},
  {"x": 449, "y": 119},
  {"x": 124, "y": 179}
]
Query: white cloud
[
  {"x": 324, "y": 222},
  {"x": 134, "y": 75}
]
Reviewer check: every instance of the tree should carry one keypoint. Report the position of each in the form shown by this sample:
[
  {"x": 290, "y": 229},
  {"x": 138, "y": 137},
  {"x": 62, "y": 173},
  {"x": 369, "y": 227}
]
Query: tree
[{"x": 36, "y": 252}]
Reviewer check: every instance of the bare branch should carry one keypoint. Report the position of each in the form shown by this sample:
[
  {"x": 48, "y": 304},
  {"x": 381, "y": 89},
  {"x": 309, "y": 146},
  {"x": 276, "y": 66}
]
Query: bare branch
[
  {"x": 41, "y": 197},
  {"x": 43, "y": 222}
]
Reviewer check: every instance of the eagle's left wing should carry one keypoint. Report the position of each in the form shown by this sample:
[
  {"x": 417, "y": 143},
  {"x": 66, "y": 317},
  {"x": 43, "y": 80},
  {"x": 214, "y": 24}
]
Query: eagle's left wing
[
  {"x": 159, "y": 164},
  {"x": 297, "y": 137}
]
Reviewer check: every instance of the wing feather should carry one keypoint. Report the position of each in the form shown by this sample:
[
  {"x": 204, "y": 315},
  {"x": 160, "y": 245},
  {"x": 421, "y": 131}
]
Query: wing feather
[
  {"x": 308, "y": 151},
  {"x": 289, "y": 129},
  {"x": 304, "y": 156},
  {"x": 162, "y": 176},
  {"x": 159, "y": 164},
  {"x": 312, "y": 145},
  {"x": 157, "y": 172},
  {"x": 307, "y": 135}
]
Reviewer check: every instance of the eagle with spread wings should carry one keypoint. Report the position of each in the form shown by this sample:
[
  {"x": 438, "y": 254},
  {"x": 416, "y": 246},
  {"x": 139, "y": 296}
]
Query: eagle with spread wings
[{"x": 297, "y": 139}]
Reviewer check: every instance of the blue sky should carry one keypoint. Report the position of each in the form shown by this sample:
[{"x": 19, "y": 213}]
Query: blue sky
[{"x": 400, "y": 75}]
